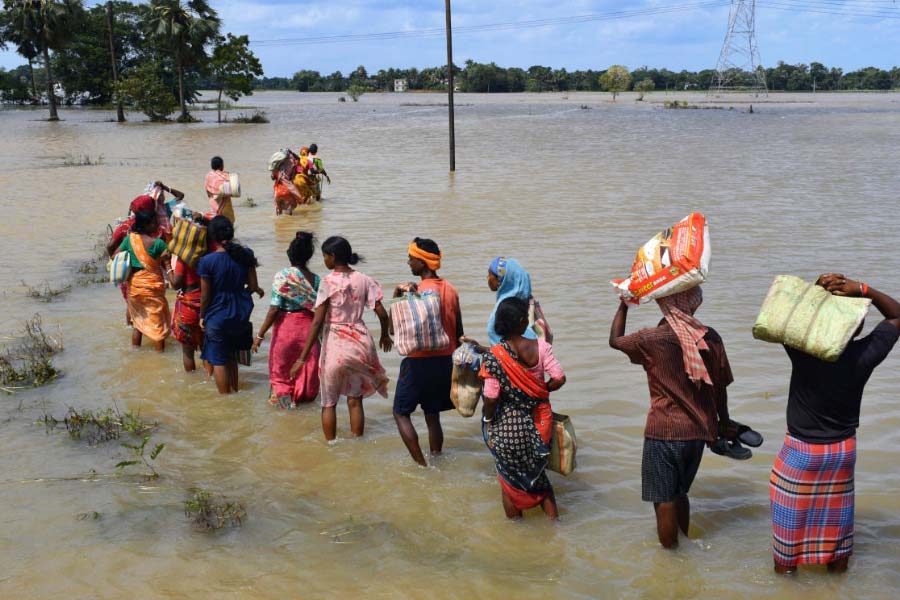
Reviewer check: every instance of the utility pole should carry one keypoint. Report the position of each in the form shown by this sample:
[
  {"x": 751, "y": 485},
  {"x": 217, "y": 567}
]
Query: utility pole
[
  {"x": 120, "y": 113},
  {"x": 739, "y": 51},
  {"x": 450, "y": 88}
]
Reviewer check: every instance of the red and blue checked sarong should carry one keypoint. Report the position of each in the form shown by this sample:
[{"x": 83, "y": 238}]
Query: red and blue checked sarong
[{"x": 811, "y": 491}]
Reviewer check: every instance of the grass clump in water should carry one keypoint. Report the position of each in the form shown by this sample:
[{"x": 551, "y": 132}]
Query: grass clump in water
[
  {"x": 29, "y": 361},
  {"x": 100, "y": 426},
  {"x": 82, "y": 160},
  {"x": 44, "y": 292},
  {"x": 250, "y": 202},
  {"x": 209, "y": 513},
  {"x": 258, "y": 116}
]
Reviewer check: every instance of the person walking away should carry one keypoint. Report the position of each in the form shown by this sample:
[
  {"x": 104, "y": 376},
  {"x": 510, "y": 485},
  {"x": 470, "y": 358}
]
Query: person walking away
[
  {"x": 219, "y": 204},
  {"x": 425, "y": 377},
  {"x": 687, "y": 373},
  {"x": 811, "y": 487},
  {"x": 186, "y": 314},
  {"x": 143, "y": 203},
  {"x": 148, "y": 308},
  {"x": 517, "y": 420},
  {"x": 287, "y": 196},
  {"x": 509, "y": 279},
  {"x": 227, "y": 280},
  {"x": 304, "y": 176},
  {"x": 348, "y": 363},
  {"x": 291, "y": 316},
  {"x": 317, "y": 163}
]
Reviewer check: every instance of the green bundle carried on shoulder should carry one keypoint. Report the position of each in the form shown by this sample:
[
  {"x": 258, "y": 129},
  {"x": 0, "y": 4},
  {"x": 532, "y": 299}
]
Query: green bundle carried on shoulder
[{"x": 806, "y": 317}]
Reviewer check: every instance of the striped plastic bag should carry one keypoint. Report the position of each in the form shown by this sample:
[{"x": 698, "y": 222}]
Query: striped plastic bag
[
  {"x": 188, "y": 241},
  {"x": 416, "y": 319},
  {"x": 119, "y": 267}
]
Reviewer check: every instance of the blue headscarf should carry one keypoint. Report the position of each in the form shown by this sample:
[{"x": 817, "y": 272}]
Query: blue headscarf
[{"x": 515, "y": 282}]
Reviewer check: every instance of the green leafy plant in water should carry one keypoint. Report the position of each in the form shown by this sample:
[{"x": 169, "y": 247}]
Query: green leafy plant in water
[
  {"x": 100, "y": 426},
  {"x": 82, "y": 160},
  {"x": 250, "y": 202},
  {"x": 210, "y": 513},
  {"x": 142, "y": 457},
  {"x": 28, "y": 362},
  {"x": 258, "y": 116}
]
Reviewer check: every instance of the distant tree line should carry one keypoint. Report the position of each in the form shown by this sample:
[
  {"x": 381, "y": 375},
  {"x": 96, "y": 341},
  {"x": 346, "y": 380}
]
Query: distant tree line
[
  {"x": 491, "y": 78},
  {"x": 152, "y": 56}
]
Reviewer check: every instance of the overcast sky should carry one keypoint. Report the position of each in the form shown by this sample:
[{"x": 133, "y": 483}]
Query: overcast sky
[{"x": 690, "y": 36}]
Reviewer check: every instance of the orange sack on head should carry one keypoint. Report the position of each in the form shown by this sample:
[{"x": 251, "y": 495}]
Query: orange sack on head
[{"x": 673, "y": 261}]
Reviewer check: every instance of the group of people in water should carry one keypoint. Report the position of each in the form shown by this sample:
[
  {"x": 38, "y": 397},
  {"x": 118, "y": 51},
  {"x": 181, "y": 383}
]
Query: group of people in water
[
  {"x": 297, "y": 178},
  {"x": 320, "y": 347}
]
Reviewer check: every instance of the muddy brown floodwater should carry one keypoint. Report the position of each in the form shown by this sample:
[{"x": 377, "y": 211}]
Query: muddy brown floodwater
[{"x": 807, "y": 183}]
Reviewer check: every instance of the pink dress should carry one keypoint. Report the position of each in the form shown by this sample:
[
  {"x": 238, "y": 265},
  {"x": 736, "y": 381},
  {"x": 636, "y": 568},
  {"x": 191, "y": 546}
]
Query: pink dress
[
  {"x": 546, "y": 364},
  {"x": 348, "y": 363}
]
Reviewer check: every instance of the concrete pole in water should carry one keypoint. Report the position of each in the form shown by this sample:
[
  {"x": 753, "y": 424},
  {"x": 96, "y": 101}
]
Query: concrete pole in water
[{"x": 450, "y": 88}]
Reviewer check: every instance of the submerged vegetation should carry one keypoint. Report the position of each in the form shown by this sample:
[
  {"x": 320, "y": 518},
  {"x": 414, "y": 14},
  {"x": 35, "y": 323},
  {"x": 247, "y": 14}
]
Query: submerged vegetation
[
  {"x": 258, "y": 116},
  {"x": 44, "y": 292},
  {"x": 28, "y": 361},
  {"x": 210, "y": 513},
  {"x": 96, "y": 427},
  {"x": 82, "y": 160}
]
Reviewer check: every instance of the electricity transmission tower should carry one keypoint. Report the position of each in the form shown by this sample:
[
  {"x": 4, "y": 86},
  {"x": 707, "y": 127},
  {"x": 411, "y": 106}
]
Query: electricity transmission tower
[{"x": 740, "y": 52}]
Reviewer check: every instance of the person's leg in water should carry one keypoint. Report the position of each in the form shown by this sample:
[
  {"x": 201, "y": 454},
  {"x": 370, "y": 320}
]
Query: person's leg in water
[
  {"x": 357, "y": 415},
  {"x": 548, "y": 505},
  {"x": 509, "y": 508},
  {"x": 670, "y": 517},
  {"x": 839, "y": 565},
  {"x": 136, "y": 338},
  {"x": 222, "y": 377},
  {"x": 233, "y": 375},
  {"x": 410, "y": 437},
  {"x": 329, "y": 422},
  {"x": 160, "y": 346},
  {"x": 187, "y": 358},
  {"x": 435, "y": 433}
]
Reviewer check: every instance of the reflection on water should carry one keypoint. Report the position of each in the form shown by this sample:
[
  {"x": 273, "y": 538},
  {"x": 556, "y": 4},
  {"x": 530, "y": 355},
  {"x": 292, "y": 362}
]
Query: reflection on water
[{"x": 798, "y": 187}]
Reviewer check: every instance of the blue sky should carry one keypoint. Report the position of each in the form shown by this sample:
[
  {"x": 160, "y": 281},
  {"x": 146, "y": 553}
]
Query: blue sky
[{"x": 689, "y": 37}]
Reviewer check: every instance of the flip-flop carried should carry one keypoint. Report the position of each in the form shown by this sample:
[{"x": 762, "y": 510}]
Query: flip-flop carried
[
  {"x": 748, "y": 436},
  {"x": 731, "y": 449}
]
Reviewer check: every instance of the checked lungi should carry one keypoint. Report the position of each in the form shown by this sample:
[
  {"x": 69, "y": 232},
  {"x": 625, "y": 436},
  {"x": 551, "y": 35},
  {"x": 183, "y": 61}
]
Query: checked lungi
[{"x": 811, "y": 492}]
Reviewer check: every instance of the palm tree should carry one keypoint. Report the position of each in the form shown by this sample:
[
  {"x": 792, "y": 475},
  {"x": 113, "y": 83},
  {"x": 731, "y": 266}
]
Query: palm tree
[
  {"x": 38, "y": 26},
  {"x": 185, "y": 28}
]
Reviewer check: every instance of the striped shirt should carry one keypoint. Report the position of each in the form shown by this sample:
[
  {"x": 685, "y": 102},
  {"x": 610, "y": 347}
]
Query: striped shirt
[{"x": 679, "y": 410}]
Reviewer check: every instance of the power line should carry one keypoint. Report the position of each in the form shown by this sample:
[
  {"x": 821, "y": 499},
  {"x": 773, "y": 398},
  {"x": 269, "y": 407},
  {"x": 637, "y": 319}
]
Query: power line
[{"x": 490, "y": 27}]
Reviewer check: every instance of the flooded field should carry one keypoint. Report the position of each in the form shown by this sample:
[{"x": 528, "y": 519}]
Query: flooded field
[{"x": 805, "y": 184}]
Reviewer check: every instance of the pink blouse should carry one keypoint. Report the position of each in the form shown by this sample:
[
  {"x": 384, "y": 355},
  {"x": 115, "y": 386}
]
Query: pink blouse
[
  {"x": 349, "y": 295},
  {"x": 546, "y": 365}
]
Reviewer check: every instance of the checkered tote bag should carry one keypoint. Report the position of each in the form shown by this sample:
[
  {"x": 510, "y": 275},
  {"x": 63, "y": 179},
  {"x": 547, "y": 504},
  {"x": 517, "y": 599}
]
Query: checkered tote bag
[{"x": 416, "y": 319}]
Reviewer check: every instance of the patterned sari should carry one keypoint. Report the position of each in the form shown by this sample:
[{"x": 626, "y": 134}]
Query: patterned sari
[
  {"x": 295, "y": 296},
  {"x": 147, "y": 304},
  {"x": 520, "y": 448}
]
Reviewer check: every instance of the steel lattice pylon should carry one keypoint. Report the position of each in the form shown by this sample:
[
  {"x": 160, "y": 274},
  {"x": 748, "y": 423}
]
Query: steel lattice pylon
[{"x": 740, "y": 52}]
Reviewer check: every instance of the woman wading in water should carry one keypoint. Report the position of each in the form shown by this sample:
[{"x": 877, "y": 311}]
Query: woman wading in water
[
  {"x": 291, "y": 317},
  {"x": 147, "y": 304},
  {"x": 517, "y": 422},
  {"x": 227, "y": 280},
  {"x": 349, "y": 364}
]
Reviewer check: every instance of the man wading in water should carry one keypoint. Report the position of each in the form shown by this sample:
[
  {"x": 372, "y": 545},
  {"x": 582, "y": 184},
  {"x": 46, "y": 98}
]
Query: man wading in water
[
  {"x": 811, "y": 486},
  {"x": 688, "y": 403},
  {"x": 425, "y": 376}
]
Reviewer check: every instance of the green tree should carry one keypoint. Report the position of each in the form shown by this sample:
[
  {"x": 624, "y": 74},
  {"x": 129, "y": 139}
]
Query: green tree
[
  {"x": 356, "y": 90},
  {"x": 38, "y": 26},
  {"x": 185, "y": 29},
  {"x": 146, "y": 90},
  {"x": 644, "y": 86},
  {"x": 233, "y": 67},
  {"x": 616, "y": 80},
  {"x": 306, "y": 80}
]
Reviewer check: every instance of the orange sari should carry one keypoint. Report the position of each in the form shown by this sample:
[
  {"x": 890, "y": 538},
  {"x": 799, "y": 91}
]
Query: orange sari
[{"x": 147, "y": 304}]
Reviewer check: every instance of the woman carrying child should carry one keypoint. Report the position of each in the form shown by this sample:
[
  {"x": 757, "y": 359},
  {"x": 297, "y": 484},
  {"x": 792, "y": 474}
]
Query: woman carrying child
[{"x": 517, "y": 422}]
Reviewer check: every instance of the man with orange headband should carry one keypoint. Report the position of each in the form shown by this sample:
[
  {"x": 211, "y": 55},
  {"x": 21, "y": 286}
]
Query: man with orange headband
[{"x": 425, "y": 376}]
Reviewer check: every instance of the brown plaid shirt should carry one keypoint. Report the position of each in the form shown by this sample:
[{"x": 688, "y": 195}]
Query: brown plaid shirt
[{"x": 679, "y": 410}]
